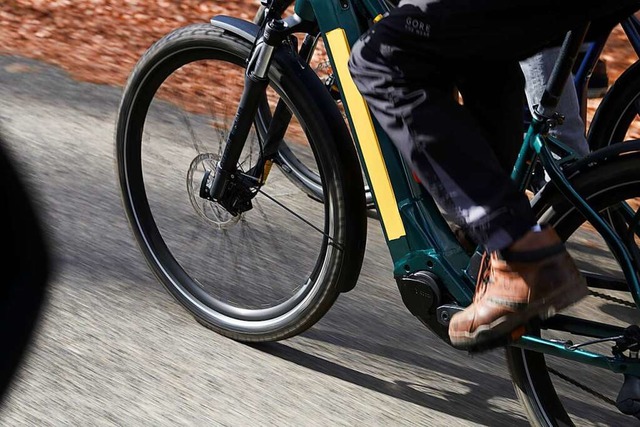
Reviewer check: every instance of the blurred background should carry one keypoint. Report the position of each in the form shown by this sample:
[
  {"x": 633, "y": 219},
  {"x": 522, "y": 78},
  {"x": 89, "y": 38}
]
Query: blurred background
[{"x": 99, "y": 41}]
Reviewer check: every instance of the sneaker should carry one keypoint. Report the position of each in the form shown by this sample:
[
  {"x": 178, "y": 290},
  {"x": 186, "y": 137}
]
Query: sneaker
[{"x": 534, "y": 279}]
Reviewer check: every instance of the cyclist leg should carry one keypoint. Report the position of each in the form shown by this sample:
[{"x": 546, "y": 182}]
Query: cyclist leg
[
  {"x": 496, "y": 107},
  {"x": 403, "y": 67},
  {"x": 433, "y": 132},
  {"x": 537, "y": 70}
]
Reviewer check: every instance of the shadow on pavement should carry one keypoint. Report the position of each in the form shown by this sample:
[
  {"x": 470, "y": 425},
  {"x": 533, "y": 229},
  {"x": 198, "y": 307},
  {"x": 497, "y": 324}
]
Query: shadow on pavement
[{"x": 453, "y": 403}]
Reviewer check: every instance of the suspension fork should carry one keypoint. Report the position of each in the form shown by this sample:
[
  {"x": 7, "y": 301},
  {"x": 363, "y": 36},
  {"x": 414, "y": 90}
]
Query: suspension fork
[
  {"x": 256, "y": 83},
  {"x": 282, "y": 115}
]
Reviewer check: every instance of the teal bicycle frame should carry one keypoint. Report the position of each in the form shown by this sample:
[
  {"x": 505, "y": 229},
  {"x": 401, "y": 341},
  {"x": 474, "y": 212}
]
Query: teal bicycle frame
[{"x": 417, "y": 234}]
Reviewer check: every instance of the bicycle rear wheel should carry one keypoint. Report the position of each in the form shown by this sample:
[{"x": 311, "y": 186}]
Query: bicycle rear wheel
[
  {"x": 555, "y": 391},
  {"x": 274, "y": 270},
  {"x": 617, "y": 117}
]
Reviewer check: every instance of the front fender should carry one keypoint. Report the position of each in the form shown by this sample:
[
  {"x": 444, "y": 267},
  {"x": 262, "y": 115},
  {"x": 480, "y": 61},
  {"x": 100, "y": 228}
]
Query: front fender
[
  {"x": 298, "y": 73},
  {"x": 245, "y": 29}
]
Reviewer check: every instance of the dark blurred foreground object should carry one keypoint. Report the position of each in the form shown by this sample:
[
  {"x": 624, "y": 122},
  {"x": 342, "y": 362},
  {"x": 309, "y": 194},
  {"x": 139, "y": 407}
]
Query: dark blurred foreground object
[{"x": 24, "y": 271}]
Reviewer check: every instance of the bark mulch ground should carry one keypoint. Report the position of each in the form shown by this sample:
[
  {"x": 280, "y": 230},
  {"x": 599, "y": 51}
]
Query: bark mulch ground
[{"x": 99, "y": 41}]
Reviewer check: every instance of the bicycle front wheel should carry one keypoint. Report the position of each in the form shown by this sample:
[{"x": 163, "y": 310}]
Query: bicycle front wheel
[
  {"x": 274, "y": 270},
  {"x": 554, "y": 391}
]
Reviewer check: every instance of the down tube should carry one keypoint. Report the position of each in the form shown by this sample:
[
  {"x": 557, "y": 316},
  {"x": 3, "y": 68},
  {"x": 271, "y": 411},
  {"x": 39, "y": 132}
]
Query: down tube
[{"x": 417, "y": 235}]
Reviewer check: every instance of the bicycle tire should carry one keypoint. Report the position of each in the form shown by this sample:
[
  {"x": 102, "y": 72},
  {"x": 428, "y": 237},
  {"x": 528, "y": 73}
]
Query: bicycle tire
[
  {"x": 341, "y": 252},
  {"x": 603, "y": 185},
  {"x": 616, "y": 112}
]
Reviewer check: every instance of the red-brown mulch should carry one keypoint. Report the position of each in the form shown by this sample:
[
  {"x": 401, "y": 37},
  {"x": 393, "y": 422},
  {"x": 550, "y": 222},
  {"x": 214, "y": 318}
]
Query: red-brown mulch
[{"x": 99, "y": 41}]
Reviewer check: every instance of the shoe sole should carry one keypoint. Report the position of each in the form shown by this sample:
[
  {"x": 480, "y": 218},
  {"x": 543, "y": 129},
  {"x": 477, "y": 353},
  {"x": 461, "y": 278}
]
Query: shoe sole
[{"x": 511, "y": 327}]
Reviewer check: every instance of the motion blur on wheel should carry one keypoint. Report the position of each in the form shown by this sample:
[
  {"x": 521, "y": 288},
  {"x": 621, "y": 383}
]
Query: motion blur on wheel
[{"x": 263, "y": 263}]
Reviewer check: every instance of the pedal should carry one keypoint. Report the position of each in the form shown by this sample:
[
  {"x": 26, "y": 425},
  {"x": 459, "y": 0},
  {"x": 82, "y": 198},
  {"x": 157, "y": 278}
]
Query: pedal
[
  {"x": 488, "y": 346},
  {"x": 628, "y": 401},
  {"x": 488, "y": 343},
  {"x": 494, "y": 343}
]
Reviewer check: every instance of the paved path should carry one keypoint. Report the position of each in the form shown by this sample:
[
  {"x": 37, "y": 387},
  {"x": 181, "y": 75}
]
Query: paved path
[{"x": 115, "y": 349}]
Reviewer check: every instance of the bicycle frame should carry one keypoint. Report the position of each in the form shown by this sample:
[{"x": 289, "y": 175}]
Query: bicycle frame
[
  {"x": 417, "y": 234},
  {"x": 631, "y": 27}
]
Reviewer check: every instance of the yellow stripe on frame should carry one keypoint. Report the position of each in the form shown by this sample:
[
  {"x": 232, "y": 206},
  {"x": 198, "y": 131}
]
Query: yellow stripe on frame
[{"x": 367, "y": 138}]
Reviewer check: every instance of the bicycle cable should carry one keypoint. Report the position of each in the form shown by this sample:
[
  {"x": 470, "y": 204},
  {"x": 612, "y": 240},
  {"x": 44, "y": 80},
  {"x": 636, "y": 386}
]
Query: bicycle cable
[{"x": 575, "y": 382}]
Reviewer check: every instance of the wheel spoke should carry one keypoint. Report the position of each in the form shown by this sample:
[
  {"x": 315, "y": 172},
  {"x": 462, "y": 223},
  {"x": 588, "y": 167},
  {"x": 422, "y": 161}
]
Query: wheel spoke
[
  {"x": 292, "y": 212},
  {"x": 259, "y": 275}
]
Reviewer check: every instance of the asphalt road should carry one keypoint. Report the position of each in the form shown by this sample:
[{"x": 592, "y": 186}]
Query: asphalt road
[{"x": 115, "y": 349}]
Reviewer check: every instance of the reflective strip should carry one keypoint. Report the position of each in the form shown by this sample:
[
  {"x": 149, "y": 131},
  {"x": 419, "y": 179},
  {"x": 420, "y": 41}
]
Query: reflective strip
[{"x": 366, "y": 137}]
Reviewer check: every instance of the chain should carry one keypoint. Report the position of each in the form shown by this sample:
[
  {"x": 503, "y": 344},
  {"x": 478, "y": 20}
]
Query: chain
[
  {"x": 575, "y": 382},
  {"x": 612, "y": 299},
  {"x": 581, "y": 386}
]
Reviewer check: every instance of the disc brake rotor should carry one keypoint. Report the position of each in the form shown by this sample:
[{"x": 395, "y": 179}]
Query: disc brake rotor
[{"x": 208, "y": 210}]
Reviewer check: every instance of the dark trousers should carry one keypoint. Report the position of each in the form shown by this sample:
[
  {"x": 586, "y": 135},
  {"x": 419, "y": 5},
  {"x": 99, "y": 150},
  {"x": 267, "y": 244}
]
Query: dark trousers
[{"x": 407, "y": 66}]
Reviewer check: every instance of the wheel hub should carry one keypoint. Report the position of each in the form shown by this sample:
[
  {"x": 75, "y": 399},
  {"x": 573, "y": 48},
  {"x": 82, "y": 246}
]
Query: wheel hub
[{"x": 199, "y": 176}]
